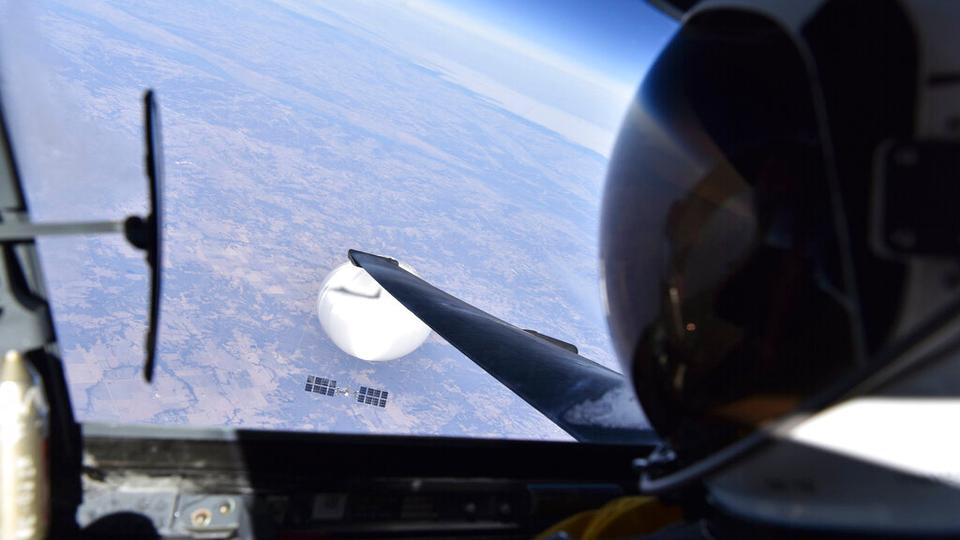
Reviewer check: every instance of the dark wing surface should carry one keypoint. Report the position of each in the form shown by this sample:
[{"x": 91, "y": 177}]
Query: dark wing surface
[{"x": 587, "y": 400}]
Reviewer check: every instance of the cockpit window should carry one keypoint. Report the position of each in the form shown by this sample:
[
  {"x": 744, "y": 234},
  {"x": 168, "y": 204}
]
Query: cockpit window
[{"x": 465, "y": 139}]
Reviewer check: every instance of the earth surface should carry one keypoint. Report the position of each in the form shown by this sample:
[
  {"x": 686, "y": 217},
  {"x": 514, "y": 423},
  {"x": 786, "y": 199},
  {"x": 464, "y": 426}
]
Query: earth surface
[{"x": 295, "y": 132}]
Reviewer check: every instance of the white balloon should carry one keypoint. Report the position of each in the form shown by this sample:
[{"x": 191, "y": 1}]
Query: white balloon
[{"x": 363, "y": 319}]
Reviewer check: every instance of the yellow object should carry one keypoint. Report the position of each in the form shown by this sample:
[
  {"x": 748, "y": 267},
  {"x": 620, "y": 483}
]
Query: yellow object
[{"x": 620, "y": 518}]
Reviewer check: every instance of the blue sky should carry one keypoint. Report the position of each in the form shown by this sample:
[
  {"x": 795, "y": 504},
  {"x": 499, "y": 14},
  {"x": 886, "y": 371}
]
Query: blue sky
[
  {"x": 616, "y": 37},
  {"x": 572, "y": 67}
]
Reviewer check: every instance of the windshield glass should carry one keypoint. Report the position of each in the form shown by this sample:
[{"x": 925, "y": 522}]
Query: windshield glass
[{"x": 466, "y": 139}]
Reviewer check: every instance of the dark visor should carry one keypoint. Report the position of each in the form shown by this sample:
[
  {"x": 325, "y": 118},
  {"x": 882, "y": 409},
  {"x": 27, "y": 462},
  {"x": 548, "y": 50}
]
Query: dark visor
[{"x": 725, "y": 275}]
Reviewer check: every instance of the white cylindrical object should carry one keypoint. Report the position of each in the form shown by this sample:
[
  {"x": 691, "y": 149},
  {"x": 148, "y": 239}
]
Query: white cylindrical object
[
  {"x": 363, "y": 319},
  {"x": 24, "y": 481}
]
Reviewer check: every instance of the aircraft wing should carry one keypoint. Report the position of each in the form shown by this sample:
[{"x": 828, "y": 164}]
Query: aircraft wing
[{"x": 587, "y": 400}]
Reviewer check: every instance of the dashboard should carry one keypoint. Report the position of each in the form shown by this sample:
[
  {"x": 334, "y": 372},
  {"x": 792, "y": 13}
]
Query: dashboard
[{"x": 162, "y": 482}]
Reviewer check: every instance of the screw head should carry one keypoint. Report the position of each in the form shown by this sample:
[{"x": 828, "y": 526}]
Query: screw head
[{"x": 201, "y": 517}]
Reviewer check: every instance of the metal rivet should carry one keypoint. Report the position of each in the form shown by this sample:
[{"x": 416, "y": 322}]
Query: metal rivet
[{"x": 201, "y": 517}]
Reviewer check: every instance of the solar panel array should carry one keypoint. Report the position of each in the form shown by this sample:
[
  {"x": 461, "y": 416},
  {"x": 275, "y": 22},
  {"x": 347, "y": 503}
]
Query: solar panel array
[
  {"x": 372, "y": 396},
  {"x": 321, "y": 385}
]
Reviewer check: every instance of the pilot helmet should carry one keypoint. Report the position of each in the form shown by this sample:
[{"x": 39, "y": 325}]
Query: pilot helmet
[{"x": 779, "y": 245}]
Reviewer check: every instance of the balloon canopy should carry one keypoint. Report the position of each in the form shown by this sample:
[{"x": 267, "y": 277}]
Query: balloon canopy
[{"x": 364, "y": 320}]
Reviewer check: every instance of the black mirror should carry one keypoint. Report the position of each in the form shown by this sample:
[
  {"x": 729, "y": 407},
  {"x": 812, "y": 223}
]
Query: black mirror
[
  {"x": 147, "y": 234},
  {"x": 143, "y": 233}
]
